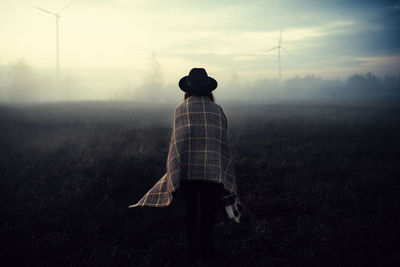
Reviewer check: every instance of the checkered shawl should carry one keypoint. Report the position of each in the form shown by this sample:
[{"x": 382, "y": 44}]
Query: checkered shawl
[{"x": 198, "y": 151}]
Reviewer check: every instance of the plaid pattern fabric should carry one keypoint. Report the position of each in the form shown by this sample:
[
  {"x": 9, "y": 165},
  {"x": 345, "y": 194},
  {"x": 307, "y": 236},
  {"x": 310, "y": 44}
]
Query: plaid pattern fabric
[{"x": 198, "y": 151}]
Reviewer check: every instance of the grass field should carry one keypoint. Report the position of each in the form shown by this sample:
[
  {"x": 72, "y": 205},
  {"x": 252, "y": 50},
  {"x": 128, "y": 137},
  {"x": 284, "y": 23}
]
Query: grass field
[{"x": 319, "y": 183}]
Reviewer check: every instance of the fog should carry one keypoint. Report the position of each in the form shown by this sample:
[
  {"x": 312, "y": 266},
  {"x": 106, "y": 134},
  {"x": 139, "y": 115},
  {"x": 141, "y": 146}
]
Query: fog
[{"x": 20, "y": 82}]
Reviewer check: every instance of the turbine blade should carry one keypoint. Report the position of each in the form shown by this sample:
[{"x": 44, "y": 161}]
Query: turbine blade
[
  {"x": 285, "y": 50},
  {"x": 67, "y": 5},
  {"x": 280, "y": 37},
  {"x": 276, "y": 47},
  {"x": 44, "y": 10}
]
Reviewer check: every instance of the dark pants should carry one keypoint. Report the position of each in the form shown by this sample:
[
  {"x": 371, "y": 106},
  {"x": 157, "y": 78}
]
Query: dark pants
[{"x": 209, "y": 194}]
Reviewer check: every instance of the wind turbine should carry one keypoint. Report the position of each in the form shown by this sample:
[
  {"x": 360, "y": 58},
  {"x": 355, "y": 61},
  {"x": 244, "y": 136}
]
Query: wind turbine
[
  {"x": 279, "y": 47},
  {"x": 57, "y": 16}
]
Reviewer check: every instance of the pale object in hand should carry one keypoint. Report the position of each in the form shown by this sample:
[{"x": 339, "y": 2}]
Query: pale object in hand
[{"x": 232, "y": 207}]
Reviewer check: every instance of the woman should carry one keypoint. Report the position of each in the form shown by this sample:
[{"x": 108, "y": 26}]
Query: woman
[{"x": 199, "y": 161}]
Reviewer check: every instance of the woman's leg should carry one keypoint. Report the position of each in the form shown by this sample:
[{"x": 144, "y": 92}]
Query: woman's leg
[
  {"x": 190, "y": 194},
  {"x": 210, "y": 194}
]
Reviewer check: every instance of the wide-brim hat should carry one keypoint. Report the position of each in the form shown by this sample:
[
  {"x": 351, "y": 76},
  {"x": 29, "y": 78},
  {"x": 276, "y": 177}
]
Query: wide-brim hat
[{"x": 197, "y": 82}]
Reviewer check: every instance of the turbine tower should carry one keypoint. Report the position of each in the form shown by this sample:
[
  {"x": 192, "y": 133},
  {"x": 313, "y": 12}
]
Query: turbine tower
[
  {"x": 279, "y": 47},
  {"x": 57, "y": 16}
]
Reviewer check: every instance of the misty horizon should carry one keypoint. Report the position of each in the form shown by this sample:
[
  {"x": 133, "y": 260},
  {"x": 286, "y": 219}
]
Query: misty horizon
[{"x": 22, "y": 83}]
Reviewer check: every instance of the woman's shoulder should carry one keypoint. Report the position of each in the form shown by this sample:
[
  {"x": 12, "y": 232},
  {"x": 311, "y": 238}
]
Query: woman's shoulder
[
  {"x": 194, "y": 103},
  {"x": 181, "y": 106}
]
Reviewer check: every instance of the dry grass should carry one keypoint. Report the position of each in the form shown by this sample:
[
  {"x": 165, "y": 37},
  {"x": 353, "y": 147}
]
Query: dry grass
[{"x": 319, "y": 182}]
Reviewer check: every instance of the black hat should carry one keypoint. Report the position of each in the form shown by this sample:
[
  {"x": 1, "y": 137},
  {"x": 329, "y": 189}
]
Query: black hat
[{"x": 197, "y": 82}]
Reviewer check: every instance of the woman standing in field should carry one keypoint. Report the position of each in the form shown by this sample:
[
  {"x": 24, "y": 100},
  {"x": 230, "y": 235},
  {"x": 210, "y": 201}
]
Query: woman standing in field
[{"x": 200, "y": 162}]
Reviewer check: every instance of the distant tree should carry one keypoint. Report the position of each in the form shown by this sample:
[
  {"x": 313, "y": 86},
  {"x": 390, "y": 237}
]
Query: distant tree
[
  {"x": 23, "y": 83},
  {"x": 152, "y": 87},
  {"x": 359, "y": 81},
  {"x": 356, "y": 81},
  {"x": 292, "y": 82},
  {"x": 389, "y": 82},
  {"x": 373, "y": 81}
]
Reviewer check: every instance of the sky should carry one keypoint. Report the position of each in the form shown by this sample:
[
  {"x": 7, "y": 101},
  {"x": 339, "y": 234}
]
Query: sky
[{"x": 125, "y": 40}]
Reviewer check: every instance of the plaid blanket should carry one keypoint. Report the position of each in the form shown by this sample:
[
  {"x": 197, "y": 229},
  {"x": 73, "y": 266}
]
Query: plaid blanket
[{"x": 198, "y": 150}]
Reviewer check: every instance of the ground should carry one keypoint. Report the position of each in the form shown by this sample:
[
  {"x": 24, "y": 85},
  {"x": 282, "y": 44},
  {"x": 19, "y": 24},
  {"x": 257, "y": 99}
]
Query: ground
[{"x": 319, "y": 182}]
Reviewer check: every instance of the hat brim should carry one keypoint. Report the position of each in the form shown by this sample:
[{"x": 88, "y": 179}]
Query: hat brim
[{"x": 183, "y": 84}]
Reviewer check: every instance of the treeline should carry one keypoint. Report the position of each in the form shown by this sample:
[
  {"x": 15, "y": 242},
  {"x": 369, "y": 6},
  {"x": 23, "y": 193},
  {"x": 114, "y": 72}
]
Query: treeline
[
  {"x": 20, "y": 83},
  {"x": 358, "y": 86}
]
